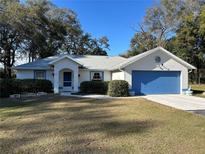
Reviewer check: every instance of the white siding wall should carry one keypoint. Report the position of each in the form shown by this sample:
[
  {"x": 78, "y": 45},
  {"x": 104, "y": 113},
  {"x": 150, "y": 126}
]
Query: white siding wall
[
  {"x": 29, "y": 74},
  {"x": 85, "y": 75},
  {"x": 148, "y": 63},
  {"x": 25, "y": 74},
  {"x": 118, "y": 75},
  {"x": 107, "y": 76}
]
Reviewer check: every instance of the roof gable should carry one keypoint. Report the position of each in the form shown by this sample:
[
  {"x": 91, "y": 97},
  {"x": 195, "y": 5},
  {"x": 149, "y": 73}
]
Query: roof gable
[
  {"x": 142, "y": 55},
  {"x": 64, "y": 57}
]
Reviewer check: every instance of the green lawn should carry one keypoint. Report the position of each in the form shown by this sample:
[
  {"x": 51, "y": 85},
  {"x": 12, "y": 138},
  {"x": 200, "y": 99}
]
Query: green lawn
[{"x": 56, "y": 124}]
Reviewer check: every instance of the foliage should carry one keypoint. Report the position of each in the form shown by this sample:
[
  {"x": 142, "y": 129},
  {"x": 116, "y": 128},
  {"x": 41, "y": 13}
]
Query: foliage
[
  {"x": 6, "y": 87},
  {"x": 18, "y": 86},
  {"x": 141, "y": 42},
  {"x": 118, "y": 88},
  {"x": 35, "y": 85},
  {"x": 10, "y": 39},
  {"x": 189, "y": 42},
  {"x": 94, "y": 87},
  {"x": 178, "y": 26},
  {"x": 39, "y": 29},
  {"x": 162, "y": 21},
  {"x": 4, "y": 75}
]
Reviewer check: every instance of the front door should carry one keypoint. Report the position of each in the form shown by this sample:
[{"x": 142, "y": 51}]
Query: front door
[{"x": 67, "y": 81}]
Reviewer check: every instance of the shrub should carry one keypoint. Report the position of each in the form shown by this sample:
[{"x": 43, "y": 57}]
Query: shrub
[
  {"x": 94, "y": 87},
  {"x": 118, "y": 88},
  {"x": 34, "y": 85},
  {"x": 44, "y": 86},
  {"x": 6, "y": 87},
  {"x": 12, "y": 86}
]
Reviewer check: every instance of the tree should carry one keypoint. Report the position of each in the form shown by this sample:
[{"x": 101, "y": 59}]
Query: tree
[
  {"x": 141, "y": 42},
  {"x": 39, "y": 29},
  {"x": 163, "y": 20},
  {"x": 189, "y": 42},
  {"x": 49, "y": 24},
  {"x": 161, "y": 23},
  {"x": 58, "y": 30},
  {"x": 177, "y": 25},
  {"x": 99, "y": 46},
  {"x": 10, "y": 38},
  {"x": 84, "y": 44}
]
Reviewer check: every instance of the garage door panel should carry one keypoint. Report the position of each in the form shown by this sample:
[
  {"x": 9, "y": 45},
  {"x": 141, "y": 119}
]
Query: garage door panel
[{"x": 156, "y": 82}]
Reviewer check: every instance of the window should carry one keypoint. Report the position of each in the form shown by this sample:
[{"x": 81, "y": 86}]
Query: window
[
  {"x": 96, "y": 76},
  {"x": 39, "y": 74}
]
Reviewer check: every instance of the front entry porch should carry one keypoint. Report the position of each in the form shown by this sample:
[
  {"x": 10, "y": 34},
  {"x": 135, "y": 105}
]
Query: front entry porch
[
  {"x": 66, "y": 72},
  {"x": 65, "y": 80}
]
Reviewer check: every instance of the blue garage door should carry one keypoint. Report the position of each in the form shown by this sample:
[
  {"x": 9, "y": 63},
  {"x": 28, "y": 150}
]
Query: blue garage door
[{"x": 156, "y": 82}]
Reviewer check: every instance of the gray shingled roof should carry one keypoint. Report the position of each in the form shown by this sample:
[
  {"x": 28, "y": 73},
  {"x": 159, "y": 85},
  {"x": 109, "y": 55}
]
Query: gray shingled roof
[
  {"x": 99, "y": 62},
  {"x": 88, "y": 61}
]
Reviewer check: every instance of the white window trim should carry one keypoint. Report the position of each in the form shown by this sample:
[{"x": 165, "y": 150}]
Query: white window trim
[
  {"x": 92, "y": 72},
  {"x": 40, "y": 71}
]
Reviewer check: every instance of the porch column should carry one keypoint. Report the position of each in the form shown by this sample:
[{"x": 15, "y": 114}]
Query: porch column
[
  {"x": 56, "y": 80},
  {"x": 75, "y": 84}
]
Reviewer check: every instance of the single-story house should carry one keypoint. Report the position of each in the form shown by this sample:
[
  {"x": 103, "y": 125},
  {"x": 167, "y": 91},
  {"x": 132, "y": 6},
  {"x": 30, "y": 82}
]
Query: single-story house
[{"x": 156, "y": 71}]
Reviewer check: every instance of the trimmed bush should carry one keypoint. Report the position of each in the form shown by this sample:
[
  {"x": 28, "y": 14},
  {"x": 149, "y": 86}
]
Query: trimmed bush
[
  {"x": 17, "y": 86},
  {"x": 34, "y": 85},
  {"x": 94, "y": 87},
  {"x": 118, "y": 88}
]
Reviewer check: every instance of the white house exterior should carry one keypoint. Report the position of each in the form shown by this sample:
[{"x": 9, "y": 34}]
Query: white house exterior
[{"x": 156, "y": 71}]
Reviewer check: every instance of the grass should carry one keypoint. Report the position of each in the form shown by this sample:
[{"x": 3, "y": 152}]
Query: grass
[
  {"x": 57, "y": 124},
  {"x": 198, "y": 89}
]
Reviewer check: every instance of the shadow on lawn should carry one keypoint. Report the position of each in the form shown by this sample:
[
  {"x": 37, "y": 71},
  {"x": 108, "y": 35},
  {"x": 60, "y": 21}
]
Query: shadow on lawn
[
  {"x": 74, "y": 125},
  {"x": 22, "y": 102},
  {"x": 31, "y": 101}
]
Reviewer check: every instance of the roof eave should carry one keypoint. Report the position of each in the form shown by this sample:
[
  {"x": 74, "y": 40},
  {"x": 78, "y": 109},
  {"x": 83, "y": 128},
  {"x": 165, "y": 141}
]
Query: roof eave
[
  {"x": 189, "y": 66},
  {"x": 32, "y": 68}
]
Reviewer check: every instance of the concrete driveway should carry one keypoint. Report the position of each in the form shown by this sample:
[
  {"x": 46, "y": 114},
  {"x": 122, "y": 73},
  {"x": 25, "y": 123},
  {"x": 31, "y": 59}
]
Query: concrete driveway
[{"x": 183, "y": 102}]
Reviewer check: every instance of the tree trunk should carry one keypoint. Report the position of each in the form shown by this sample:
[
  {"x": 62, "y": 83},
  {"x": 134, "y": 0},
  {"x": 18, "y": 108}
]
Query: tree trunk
[
  {"x": 9, "y": 72},
  {"x": 199, "y": 76}
]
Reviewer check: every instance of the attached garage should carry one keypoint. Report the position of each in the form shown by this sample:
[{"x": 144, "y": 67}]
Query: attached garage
[
  {"x": 156, "y": 82},
  {"x": 156, "y": 71}
]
